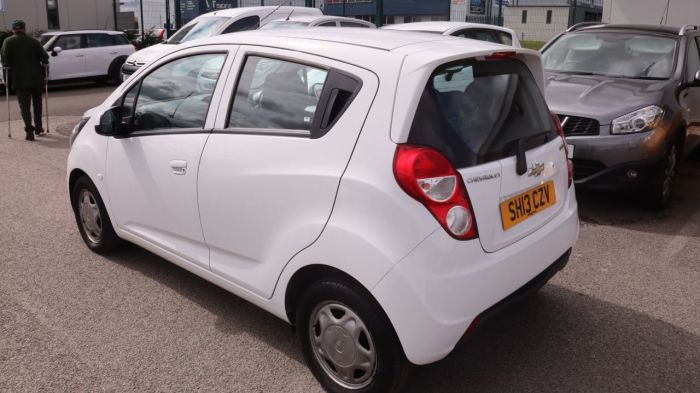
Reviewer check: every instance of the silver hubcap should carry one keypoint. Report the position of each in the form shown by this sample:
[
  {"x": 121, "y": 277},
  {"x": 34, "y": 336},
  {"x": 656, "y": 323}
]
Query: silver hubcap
[
  {"x": 342, "y": 345},
  {"x": 670, "y": 171},
  {"x": 90, "y": 216}
]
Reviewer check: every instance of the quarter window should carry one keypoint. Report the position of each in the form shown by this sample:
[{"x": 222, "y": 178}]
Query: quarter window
[
  {"x": 276, "y": 94},
  {"x": 176, "y": 95},
  {"x": 248, "y": 23},
  {"x": 97, "y": 40}
]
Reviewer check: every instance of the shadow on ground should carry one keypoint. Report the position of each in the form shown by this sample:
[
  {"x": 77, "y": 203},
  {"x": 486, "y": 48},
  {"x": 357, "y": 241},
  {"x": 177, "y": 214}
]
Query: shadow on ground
[{"x": 557, "y": 341}]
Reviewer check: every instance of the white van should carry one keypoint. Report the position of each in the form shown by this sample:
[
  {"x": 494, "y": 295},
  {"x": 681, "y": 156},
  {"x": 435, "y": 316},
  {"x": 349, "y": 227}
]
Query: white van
[{"x": 211, "y": 24}]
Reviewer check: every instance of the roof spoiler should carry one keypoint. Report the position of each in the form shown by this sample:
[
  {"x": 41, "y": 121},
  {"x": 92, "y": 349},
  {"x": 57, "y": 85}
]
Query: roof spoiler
[
  {"x": 581, "y": 25},
  {"x": 688, "y": 27}
]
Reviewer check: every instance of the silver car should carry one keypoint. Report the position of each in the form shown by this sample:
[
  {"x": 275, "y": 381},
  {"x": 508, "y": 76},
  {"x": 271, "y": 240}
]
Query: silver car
[{"x": 628, "y": 98}]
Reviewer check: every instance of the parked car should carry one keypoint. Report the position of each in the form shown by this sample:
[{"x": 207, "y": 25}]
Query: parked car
[
  {"x": 316, "y": 21},
  {"x": 419, "y": 184},
  {"x": 626, "y": 96},
  {"x": 214, "y": 23},
  {"x": 86, "y": 54},
  {"x": 476, "y": 31}
]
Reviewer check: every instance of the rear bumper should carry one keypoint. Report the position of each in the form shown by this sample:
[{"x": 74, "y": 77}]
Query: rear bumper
[{"x": 433, "y": 295}]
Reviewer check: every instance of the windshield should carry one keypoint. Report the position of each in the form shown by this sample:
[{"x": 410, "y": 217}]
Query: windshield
[
  {"x": 625, "y": 55},
  {"x": 284, "y": 24},
  {"x": 45, "y": 38},
  {"x": 199, "y": 28}
]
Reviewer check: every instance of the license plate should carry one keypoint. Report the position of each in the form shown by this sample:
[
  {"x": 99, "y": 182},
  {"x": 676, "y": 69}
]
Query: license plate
[
  {"x": 570, "y": 151},
  {"x": 523, "y": 206}
]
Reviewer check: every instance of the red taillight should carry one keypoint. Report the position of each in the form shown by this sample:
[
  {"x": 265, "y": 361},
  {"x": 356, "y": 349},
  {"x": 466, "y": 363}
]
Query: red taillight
[
  {"x": 560, "y": 131},
  {"x": 430, "y": 178},
  {"x": 500, "y": 55}
]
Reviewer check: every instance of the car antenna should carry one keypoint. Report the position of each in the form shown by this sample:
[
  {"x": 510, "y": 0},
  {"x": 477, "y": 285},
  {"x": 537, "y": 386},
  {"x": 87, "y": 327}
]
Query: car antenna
[
  {"x": 290, "y": 15},
  {"x": 665, "y": 13},
  {"x": 283, "y": 2}
]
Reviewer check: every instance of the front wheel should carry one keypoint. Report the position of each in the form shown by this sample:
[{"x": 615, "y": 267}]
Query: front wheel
[
  {"x": 663, "y": 178},
  {"x": 91, "y": 216},
  {"x": 347, "y": 340}
]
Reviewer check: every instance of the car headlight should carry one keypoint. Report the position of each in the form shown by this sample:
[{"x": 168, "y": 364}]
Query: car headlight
[
  {"x": 76, "y": 130},
  {"x": 637, "y": 121}
]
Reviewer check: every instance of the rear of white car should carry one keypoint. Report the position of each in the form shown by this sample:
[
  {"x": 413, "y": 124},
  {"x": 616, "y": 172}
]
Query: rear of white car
[{"x": 482, "y": 158}]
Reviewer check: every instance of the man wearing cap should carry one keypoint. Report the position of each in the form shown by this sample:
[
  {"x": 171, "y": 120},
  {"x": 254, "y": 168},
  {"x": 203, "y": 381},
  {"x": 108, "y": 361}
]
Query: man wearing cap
[{"x": 26, "y": 58}]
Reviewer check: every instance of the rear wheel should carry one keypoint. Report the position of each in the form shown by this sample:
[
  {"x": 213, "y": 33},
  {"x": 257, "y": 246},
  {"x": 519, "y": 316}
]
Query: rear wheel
[
  {"x": 663, "y": 178},
  {"x": 92, "y": 218},
  {"x": 347, "y": 340}
]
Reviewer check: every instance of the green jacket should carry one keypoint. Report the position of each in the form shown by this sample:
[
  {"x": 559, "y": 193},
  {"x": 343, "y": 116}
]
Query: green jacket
[{"x": 25, "y": 56}]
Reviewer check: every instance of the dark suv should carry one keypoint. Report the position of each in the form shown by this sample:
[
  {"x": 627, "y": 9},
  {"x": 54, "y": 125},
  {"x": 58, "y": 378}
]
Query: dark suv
[{"x": 628, "y": 98}]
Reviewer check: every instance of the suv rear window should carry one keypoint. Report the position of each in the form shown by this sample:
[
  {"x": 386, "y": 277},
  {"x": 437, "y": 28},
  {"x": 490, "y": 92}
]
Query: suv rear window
[{"x": 477, "y": 111}]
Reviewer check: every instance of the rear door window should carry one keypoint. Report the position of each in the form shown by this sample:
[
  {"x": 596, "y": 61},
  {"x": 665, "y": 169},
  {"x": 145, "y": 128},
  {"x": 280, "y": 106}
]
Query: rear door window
[
  {"x": 98, "y": 40},
  {"x": 478, "y": 111},
  {"x": 243, "y": 24},
  {"x": 276, "y": 94}
]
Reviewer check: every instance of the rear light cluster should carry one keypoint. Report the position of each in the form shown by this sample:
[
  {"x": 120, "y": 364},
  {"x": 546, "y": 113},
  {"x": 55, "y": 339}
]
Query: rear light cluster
[
  {"x": 569, "y": 164},
  {"x": 429, "y": 177}
]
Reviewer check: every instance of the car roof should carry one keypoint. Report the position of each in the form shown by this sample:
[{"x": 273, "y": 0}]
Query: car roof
[
  {"x": 443, "y": 27},
  {"x": 636, "y": 28},
  {"x": 112, "y": 32},
  {"x": 235, "y": 12},
  {"x": 317, "y": 18}
]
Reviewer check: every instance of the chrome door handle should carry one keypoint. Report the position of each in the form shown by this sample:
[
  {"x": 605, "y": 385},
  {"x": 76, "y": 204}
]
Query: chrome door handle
[{"x": 179, "y": 167}]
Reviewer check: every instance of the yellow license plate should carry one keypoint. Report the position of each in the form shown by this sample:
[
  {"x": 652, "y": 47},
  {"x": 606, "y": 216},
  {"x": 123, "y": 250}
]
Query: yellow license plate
[{"x": 523, "y": 206}]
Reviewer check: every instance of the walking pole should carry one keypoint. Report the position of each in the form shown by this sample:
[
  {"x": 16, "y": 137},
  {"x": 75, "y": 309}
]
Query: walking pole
[
  {"x": 6, "y": 74},
  {"x": 46, "y": 96}
]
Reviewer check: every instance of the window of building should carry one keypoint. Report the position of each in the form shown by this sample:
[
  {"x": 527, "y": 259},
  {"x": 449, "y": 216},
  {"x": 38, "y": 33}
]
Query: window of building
[
  {"x": 524, "y": 17},
  {"x": 52, "y": 14},
  {"x": 549, "y": 17}
]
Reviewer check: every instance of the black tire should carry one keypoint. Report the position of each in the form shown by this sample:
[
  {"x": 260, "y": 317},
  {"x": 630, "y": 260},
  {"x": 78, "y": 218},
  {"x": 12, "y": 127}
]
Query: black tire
[
  {"x": 115, "y": 71},
  {"x": 94, "y": 225},
  {"x": 377, "y": 335},
  {"x": 663, "y": 177}
]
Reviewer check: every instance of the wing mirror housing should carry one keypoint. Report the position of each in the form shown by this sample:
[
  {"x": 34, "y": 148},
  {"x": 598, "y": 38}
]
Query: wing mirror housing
[
  {"x": 56, "y": 50},
  {"x": 696, "y": 81},
  {"x": 111, "y": 123}
]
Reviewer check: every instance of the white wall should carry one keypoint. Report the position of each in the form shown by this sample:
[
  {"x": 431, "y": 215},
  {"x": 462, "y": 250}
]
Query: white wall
[
  {"x": 73, "y": 14},
  {"x": 680, "y": 12},
  {"x": 536, "y": 28}
]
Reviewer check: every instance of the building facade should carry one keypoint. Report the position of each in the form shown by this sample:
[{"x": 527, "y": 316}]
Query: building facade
[
  {"x": 672, "y": 12},
  {"x": 395, "y": 11},
  {"x": 48, "y": 15},
  {"x": 541, "y": 20}
]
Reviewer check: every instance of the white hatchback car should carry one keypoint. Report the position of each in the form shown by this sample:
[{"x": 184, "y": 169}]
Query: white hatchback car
[
  {"x": 475, "y": 31},
  {"x": 380, "y": 217}
]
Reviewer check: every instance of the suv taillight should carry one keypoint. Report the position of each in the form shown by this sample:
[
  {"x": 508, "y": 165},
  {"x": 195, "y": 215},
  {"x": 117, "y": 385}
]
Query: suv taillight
[
  {"x": 429, "y": 177},
  {"x": 560, "y": 131}
]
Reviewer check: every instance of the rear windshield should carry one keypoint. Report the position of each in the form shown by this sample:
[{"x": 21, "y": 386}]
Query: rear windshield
[{"x": 477, "y": 111}]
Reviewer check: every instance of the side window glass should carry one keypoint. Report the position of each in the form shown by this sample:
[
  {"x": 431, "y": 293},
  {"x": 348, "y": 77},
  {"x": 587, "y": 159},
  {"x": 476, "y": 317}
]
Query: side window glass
[
  {"x": 486, "y": 35},
  {"x": 276, "y": 94},
  {"x": 119, "y": 39},
  {"x": 504, "y": 38},
  {"x": 465, "y": 34},
  {"x": 98, "y": 40},
  {"x": 177, "y": 95},
  {"x": 247, "y": 23},
  {"x": 68, "y": 42},
  {"x": 692, "y": 63},
  {"x": 327, "y": 24},
  {"x": 351, "y": 24}
]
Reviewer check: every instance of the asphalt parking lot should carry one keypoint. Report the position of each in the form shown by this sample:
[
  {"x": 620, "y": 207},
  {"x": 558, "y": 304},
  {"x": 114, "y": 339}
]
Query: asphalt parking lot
[{"x": 623, "y": 316}]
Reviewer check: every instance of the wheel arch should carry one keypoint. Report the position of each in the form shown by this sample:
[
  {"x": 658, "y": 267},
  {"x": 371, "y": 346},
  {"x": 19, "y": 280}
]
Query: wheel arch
[{"x": 75, "y": 174}]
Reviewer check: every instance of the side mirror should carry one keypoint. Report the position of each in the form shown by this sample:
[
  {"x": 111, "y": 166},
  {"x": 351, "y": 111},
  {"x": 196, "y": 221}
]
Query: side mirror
[
  {"x": 696, "y": 82},
  {"x": 111, "y": 122},
  {"x": 56, "y": 50}
]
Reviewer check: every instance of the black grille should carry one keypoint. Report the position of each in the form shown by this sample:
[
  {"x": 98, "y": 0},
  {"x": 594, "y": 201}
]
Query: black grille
[
  {"x": 574, "y": 125},
  {"x": 586, "y": 168}
]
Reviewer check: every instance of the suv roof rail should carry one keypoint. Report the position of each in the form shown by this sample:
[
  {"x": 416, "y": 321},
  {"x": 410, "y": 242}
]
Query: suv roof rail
[
  {"x": 688, "y": 27},
  {"x": 582, "y": 25}
]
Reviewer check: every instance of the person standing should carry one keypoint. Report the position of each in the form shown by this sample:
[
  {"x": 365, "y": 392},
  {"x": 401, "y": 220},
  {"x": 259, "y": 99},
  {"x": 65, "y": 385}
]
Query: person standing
[{"x": 26, "y": 59}]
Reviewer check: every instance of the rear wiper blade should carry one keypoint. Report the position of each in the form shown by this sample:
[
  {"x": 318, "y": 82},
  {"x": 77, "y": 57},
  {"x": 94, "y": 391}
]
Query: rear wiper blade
[{"x": 520, "y": 158}]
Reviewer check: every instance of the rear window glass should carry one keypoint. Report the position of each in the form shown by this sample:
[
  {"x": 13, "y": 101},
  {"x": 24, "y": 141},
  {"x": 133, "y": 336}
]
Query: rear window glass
[{"x": 478, "y": 111}]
